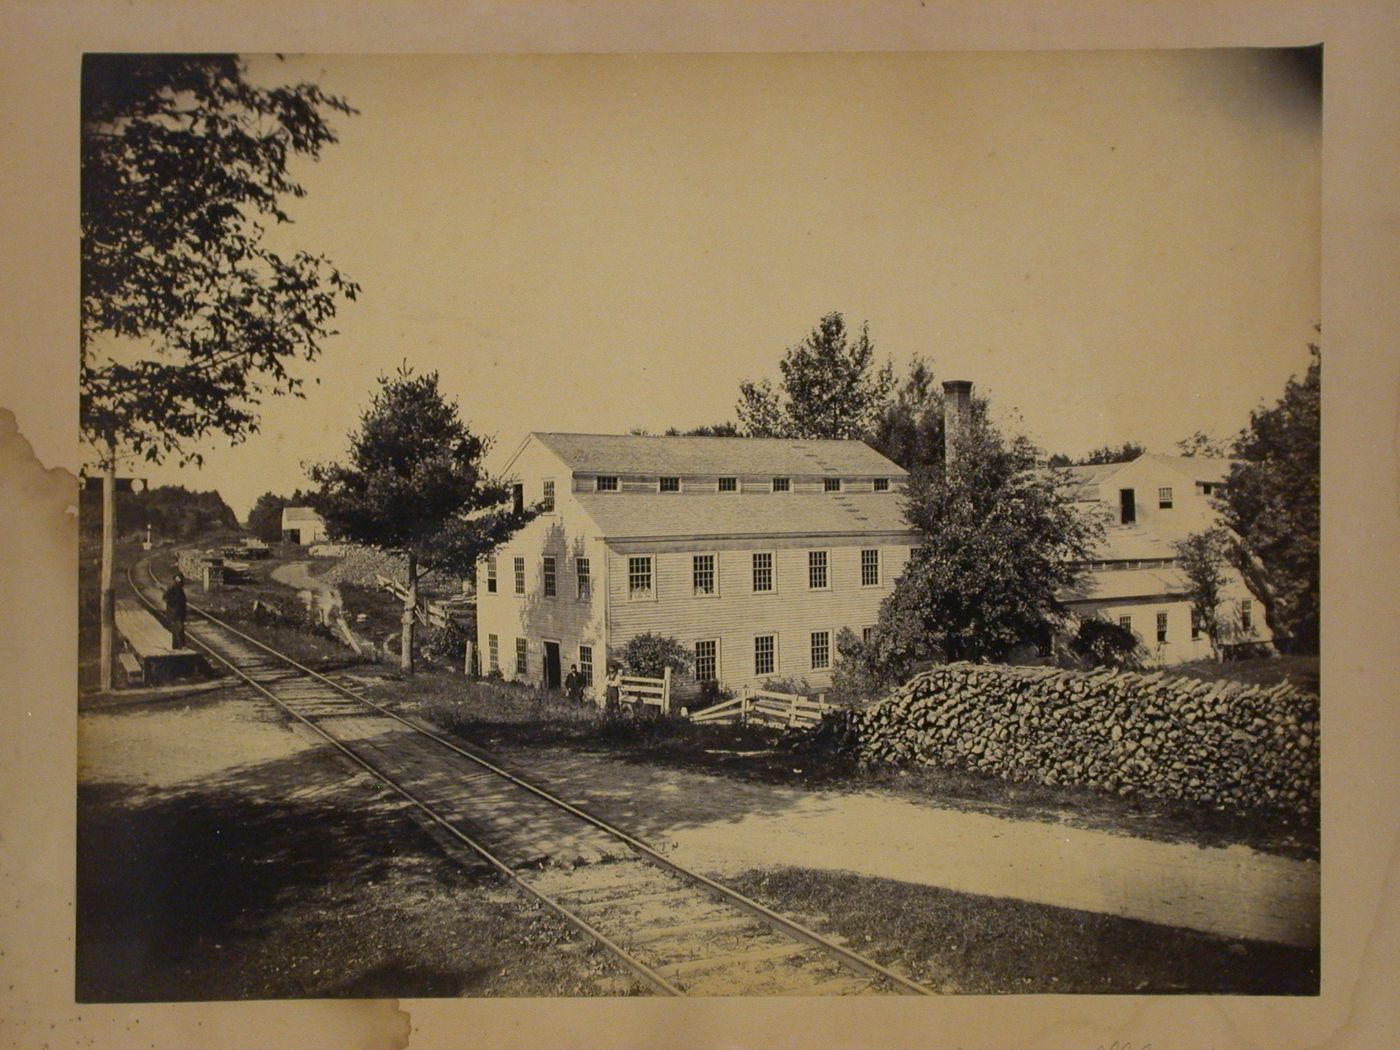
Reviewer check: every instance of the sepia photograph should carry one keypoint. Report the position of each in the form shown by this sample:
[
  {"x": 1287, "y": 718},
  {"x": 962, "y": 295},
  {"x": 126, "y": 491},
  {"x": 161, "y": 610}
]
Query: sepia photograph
[{"x": 700, "y": 525}]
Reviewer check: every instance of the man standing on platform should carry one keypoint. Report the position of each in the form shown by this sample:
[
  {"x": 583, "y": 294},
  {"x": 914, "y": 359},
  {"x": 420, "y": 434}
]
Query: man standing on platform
[{"x": 175, "y": 609}]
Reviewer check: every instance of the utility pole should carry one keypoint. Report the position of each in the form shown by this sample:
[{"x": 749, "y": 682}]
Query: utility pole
[{"x": 109, "y": 516}]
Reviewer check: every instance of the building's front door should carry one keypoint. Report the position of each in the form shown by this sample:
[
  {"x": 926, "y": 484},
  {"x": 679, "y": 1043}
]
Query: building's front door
[{"x": 551, "y": 665}]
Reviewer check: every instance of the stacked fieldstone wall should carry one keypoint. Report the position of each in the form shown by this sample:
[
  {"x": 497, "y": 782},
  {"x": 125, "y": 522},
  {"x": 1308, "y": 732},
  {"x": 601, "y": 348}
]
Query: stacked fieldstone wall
[{"x": 1219, "y": 743}]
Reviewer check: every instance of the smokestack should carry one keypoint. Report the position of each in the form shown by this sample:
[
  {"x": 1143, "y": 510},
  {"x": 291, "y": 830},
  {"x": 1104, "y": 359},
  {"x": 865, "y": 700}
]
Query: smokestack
[{"x": 957, "y": 415}]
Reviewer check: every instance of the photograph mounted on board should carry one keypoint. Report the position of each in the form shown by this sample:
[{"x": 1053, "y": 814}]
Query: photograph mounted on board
[{"x": 706, "y": 524}]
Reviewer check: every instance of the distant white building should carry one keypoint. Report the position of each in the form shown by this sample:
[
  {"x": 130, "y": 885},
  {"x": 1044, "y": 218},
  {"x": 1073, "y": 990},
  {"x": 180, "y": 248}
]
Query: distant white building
[
  {"x": 1147, "y": 506},
  {"x": 302, "y": 525}
]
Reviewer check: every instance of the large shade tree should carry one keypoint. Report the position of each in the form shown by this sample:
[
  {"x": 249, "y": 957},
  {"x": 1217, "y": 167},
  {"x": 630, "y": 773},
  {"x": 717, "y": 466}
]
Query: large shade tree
[
  {"x": 999, "y": 540},
  {"x": 188, "y": 317},
  {"x": 831, "y": 388},
  {"x": 413, "y": 484},
  {"x": 1273, "y": 502}
]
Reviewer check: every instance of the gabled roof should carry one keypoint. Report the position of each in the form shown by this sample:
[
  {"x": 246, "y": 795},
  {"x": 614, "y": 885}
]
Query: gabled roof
[
  {"x": 300, "y": 515},
  {"x": 1128, "y": 583},
  {"x": 659, "y": 516},
  {"x": 1133, "y": 543},
  {"x": 1198, "y": 468},
  {"x": 646, "y": 454}
]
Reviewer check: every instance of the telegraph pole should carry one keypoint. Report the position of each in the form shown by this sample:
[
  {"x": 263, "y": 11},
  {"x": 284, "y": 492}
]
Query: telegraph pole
[{"x": 109, "y": 515}]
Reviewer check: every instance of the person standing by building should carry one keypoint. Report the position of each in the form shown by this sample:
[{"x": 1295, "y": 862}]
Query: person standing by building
[{"x": 175, "y": 609}]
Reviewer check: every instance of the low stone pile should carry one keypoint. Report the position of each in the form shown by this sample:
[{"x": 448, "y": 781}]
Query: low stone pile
[
  {"x": 361, "y": 565},
  {"x": 1217, "y": 743}
]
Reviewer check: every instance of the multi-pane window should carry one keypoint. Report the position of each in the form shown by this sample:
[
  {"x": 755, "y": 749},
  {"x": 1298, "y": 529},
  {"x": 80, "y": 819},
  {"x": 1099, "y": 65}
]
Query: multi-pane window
[
  {"x": 550, "y": 583},
  {"x": 585, "y": 665},
  {"x": 1125, "y": 622},
  {"x": 832, "y": 484},
  {"x": 517, "y": 497},
  {"x": 549, "y": 497},
  {"x": 706, "y": 661},
  {"x": 703, "y": 573},
  {"x": 763, "y": 572},
  {"x": 882, "y": 484},
  {"x": 1161, "y": 627},
  {"x": 729, "y": 484},
  {"x": 782, "y": 484},
  {"x": 1195, "y": 624},
  {"x": 765, "y": 654},
  {"x": 493, "y": 647},
  {"x": 816, "y": 570},
  {"x": 1247, "y": 615},
  {"x": 870, "y": 568},
  {"x": 821, "y": 650},
  {"x": 639, "y": 577},
  {"x": 585, "y": 581},
  {"x": 670, "y": 484},
  {"x": 521, "y": 654},
  {"x": 519, "y": 575},
  {"x": 491, "y": 574},
  {"x": 605, "y": 483},
  {"x": 866, "y": 634},
  {"x": 1164, "y": 498}
]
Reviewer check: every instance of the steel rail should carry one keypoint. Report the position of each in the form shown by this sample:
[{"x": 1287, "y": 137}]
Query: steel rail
[
  {"x": 850, "y": 959},
  {"x": 636, "y": 965}
]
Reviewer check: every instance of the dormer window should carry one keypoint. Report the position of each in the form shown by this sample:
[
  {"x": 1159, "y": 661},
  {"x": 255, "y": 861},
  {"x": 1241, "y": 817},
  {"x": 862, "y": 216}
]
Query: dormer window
[
  {"x": 833, "y": 484},
  {"x": 670, "y": 485}
]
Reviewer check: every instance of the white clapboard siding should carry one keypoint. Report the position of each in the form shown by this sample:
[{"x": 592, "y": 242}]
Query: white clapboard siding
[{"x": 738, "y": 614}]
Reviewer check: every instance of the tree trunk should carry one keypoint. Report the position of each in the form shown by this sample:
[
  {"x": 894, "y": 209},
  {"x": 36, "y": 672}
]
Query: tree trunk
[
  {"x": 109, "y": 554},
  {"x": 410, "y": 612}
]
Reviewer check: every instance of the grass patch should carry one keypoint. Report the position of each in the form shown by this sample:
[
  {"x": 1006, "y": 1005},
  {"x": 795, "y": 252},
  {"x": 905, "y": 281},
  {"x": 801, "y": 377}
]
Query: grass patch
[
  {"x": 505, "y": 715},
  {"x": 965, "y": 943}
]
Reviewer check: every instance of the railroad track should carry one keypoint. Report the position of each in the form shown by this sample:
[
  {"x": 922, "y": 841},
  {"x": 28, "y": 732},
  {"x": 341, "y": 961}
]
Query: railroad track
[{"x": 679, "y": 932}]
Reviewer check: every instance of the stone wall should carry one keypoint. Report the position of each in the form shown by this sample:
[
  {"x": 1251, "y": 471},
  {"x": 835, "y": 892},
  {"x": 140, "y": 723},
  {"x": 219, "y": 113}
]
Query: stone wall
[{"x": 1160, "y": 736}]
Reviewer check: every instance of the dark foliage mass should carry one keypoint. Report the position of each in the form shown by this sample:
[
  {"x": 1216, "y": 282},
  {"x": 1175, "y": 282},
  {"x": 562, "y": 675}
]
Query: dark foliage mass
[
  {"x": 1273, "y": 502},
  {"x": 1103, "y": 643},
  {"x": 999, "y": 540},
  {"x": 172, "y": 511},
  {"x": 831, "y": 388},
  {"x": 188, "y": 317},
  {"x": 413, "y": 484}
]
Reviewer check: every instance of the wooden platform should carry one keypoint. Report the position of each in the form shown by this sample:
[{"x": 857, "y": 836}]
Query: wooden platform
[{"x": 147, "y": 639}]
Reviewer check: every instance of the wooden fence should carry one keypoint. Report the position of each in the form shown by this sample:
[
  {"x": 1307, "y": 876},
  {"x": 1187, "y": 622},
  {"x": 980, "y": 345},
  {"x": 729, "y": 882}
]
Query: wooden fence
[
  {"x": 430, "y": 614},
  {"x": 767, "y": 708},
  {"x": 648, "y": 692}
]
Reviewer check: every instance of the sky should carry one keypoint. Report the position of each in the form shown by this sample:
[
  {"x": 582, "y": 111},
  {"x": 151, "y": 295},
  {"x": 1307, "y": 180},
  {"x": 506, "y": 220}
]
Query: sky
[{"x": 1111, "y": 245}]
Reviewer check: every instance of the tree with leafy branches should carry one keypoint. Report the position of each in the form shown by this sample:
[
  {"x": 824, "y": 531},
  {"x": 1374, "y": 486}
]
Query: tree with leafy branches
[
  {"x": 909, "y": 428},
  {"x": 1273, "y": 502},
  {"x": 999, "y": 539},
  {"x": 188, "y": 317},
  {"x": 1202, "y": 558},
  {"x": 831, "y": 388},
  {"x": 413, "y": 484}
]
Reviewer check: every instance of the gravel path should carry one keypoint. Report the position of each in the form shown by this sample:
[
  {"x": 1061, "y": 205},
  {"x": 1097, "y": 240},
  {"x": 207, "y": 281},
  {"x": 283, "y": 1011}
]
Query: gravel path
[{"x": 727, "y": 827}]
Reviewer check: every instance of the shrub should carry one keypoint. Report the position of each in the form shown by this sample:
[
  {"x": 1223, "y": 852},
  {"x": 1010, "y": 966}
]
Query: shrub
[
  {"x": 1105, "y": 644},
  {"x": 853, "y": 680},
  {"x": 787, "y": 684},
  {"x": 445, "y": 645},
  {"x": 648, "y": 655}
]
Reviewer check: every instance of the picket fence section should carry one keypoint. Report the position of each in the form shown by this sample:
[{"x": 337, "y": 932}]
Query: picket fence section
[{"x": 787, "y": 710}]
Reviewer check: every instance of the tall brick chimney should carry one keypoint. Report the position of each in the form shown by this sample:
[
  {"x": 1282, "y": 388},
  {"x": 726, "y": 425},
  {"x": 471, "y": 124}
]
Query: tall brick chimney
[{"x": 957, "y": 415}]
